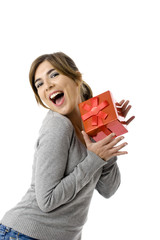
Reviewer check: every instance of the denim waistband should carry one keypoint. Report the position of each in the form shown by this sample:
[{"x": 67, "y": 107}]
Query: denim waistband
[{"x": 4, "y": 228}]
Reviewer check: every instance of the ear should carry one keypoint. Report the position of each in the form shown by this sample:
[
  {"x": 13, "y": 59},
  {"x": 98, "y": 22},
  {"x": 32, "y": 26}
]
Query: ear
[{"x": 78, "y": 82}]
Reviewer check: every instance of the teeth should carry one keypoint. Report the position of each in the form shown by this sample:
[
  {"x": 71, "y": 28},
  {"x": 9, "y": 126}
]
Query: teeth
[{"x": 54, "y": 94}]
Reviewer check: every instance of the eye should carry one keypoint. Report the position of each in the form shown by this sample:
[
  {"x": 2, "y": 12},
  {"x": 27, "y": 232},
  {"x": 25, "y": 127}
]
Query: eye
[
  {"x": 54, "y": 74},
  {"x": 39, "y": 84}
]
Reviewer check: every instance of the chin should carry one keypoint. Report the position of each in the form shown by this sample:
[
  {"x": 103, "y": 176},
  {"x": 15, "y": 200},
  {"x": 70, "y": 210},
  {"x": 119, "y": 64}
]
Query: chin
[{"x": 64, "y": 113}]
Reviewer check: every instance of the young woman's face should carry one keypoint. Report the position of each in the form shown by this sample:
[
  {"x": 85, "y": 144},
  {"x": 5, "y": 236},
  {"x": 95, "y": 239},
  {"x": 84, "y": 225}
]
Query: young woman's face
[{"x": 59, "y": 92}]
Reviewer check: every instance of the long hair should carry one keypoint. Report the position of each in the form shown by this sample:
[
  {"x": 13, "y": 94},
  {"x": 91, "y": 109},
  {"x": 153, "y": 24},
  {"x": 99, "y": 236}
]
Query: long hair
[{"x": 66, "y": 66}]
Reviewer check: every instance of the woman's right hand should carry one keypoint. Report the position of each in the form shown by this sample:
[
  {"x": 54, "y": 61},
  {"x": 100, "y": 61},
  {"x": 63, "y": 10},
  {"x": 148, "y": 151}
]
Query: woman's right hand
[{"x": 107, "y": 147}]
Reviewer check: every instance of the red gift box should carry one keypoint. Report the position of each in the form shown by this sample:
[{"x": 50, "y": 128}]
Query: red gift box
[{"x": 101, "y": 116}]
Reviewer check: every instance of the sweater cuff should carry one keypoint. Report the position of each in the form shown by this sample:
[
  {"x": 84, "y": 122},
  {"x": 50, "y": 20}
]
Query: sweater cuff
[
  {"x": 92, "y": 164},
  {"x": 110, "y": 162}
]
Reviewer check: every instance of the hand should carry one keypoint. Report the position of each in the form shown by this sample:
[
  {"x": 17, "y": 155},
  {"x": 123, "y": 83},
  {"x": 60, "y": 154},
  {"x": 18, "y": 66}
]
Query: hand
[
  {"x": 105, "y": 148},
  {"x": 123, "y": 109}
]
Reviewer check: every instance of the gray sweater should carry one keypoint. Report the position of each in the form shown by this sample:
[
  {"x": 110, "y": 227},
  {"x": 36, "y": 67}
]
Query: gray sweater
[{"x": 64, "y": 177}]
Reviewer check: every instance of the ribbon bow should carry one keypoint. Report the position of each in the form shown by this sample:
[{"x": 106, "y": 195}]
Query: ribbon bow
[{"x": 94, "y": 111}]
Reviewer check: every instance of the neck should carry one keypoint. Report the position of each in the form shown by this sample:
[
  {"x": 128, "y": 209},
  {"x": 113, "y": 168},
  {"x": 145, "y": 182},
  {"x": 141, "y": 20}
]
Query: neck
[{"x": 75, "y": 118}]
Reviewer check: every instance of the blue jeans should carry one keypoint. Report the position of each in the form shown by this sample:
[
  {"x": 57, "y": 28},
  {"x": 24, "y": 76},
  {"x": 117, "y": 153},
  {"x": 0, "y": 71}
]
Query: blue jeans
[{"x": 7, "y": 233}]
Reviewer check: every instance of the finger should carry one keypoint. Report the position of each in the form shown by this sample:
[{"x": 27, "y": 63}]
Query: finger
[
  {"x": 107, "y": 139},
  {"x": 117, "y": 104},
  {"x": 119, "y": 153},
  {"x": 120, "y": 112},
  {"x": 86, "y": 138},
  {"x": 125, "y": 112},
  {"x": 130, "y": 120},
  {"x": 119, "y": 147},
  {"x": 121, "y": 102},
  {"x": 124, "y": 109},
  {"x": 125, "y": 105},
  {"x": 114, "y": 142}
]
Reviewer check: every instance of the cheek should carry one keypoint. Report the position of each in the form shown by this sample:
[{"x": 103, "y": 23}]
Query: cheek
[
  {"x": 41, "y": 95},
  {"x": 75, "y": 96}
]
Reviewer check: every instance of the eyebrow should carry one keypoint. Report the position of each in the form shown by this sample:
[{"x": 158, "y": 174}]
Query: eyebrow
[{"x": 38, "y": 79}]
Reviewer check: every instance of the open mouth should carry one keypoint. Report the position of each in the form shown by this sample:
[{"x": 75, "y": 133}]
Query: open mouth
[{"x": 57, "y": 98}]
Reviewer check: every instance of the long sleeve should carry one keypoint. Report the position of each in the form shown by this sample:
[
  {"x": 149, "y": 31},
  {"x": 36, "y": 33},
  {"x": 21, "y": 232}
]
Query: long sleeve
[
  {"x": 64, "y": 177},
  {"x": 54, "y": 188},
  {"x": 110, "y": 179}
]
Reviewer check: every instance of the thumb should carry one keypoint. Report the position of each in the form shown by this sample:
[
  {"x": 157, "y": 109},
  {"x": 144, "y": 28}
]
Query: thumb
[{"x": 86, "y": 138}]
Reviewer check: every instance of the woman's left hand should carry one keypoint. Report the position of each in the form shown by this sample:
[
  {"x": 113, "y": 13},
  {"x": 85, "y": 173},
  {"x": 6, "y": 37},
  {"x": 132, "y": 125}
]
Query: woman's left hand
[{"x": 123, "y": 109}]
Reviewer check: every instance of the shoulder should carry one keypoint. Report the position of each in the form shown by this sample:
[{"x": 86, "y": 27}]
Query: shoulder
[{"x": 55, "y": 122}]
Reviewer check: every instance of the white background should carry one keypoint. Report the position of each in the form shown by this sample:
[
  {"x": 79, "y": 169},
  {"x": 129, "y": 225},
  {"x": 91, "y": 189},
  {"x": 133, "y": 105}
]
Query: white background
[{"x": 116, "y": 45}]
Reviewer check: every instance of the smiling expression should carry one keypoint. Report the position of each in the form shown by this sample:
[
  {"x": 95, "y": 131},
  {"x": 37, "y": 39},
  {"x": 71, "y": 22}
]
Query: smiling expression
[{"x": 59, "y": 92}]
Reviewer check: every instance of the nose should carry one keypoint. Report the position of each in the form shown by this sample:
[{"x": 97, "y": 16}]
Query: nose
[{"x": 48, "y": 85}]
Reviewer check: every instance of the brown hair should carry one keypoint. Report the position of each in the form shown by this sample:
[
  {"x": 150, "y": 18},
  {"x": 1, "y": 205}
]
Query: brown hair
[{"x": 66, "y": 66}]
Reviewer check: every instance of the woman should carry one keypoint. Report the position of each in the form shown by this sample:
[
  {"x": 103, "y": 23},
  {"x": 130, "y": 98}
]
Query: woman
[{"x": 67, "y": 166}]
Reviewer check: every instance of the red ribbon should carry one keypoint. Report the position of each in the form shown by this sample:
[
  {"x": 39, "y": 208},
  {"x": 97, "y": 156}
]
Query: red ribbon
[{"x": 94, "y": 111}]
